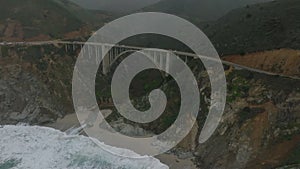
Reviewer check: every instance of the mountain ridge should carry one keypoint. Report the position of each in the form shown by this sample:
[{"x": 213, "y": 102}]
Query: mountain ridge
[
  {"x": 116, "y": 6},
  {"x": 43, "y": 19},
  {"x": 260, "y": 27},
  {"x": 205, "y": 10}
]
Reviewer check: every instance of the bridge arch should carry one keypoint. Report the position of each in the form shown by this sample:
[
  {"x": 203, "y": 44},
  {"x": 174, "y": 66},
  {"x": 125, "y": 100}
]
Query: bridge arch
[{"x": 158, "y": 56}]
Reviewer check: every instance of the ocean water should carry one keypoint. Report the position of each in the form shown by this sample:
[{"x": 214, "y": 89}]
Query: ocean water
[{"x": 35, "y": 147}]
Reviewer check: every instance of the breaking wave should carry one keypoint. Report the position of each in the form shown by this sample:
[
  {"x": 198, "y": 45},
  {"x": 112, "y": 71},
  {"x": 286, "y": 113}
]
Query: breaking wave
[{"x": 36, "y": 147}]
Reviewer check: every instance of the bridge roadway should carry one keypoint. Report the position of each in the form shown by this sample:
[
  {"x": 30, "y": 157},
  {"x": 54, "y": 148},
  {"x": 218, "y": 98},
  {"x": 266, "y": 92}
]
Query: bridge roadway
[{"x": 59, "y": 42}]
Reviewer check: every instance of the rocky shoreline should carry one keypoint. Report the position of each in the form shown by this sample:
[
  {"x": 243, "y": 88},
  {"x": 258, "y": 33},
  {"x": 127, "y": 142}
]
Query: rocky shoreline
[
  {"x": 261, "y": 118},
  {"x": 174, "y": 159}
]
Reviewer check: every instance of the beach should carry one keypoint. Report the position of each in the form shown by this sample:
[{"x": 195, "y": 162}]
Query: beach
[{"x": 171, "y": 160}]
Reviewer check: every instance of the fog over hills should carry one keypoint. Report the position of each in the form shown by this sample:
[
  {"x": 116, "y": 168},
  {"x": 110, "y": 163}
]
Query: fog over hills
[
  {"x": 200, "y": 10},
  {"x": 197, "y": 10},
  {"x": 115, "y": 5}
]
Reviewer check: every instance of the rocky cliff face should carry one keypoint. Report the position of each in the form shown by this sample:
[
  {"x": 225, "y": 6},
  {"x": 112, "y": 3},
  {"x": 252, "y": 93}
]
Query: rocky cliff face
[
  {"x": 23, "y": 98},
  {"x": 260, "y": 127},
  {"x": 35, "y": 84}
]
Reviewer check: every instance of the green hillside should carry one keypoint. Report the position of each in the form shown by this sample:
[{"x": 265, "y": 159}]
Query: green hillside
[
  {"x": 199, "y": 10},
  {"x": 23, "y": 19},
  {"x": 115, "y": 6},
  {"x": 258, "y": 27}
]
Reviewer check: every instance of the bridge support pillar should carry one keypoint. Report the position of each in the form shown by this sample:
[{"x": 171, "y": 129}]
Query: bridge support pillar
[
  {"x": 168, "y": 64},
  {"x": 105, "y": 61},
  {"x": 161, "y": 60},
  {"x": 155, "y": 58}
]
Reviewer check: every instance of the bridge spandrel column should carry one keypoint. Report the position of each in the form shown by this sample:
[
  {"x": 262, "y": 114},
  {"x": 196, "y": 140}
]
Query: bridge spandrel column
[
  {"x": 105, "y": 60},
  {"x": 116, "y": 53},
  {"x": 161, "y": 60},
  {"x": 97, "y": 54},
  {"x": 90, "y": 51},
  {"x": 156, "y": 59},
  {"x": 111, "y": 55},
  {"x": 168, "y": 63}
]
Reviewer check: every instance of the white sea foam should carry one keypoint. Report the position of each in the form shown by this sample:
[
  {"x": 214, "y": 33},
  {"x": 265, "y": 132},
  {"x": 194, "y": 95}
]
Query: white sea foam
[{"x": 34, "y": 147}]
